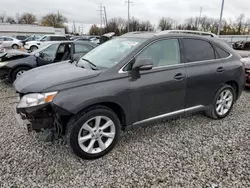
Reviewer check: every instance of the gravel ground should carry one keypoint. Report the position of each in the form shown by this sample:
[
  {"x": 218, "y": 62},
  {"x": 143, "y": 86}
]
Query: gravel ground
[{"x": 192, "y": 151}]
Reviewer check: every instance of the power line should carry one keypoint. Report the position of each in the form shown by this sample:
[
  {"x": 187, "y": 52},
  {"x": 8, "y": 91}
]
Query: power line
[{"x": 128, "y": 2}]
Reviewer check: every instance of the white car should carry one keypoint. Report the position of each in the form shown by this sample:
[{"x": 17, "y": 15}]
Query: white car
[
  {"x": 10, "y": 42},
  {"x": 45, "y": 40}
]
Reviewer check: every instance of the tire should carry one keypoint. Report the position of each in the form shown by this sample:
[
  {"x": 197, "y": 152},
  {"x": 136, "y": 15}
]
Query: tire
[
  {"x": 15, "y": 46},
  {"x": 33, "y": 48},
  {"x": 227, "y": 105},
  {"x": 75, "y": 131},
  {"x": 16, "y": 72}
]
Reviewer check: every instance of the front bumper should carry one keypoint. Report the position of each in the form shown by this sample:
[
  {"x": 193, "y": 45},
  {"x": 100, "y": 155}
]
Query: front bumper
[
  {"x": 27, "y": 47},
  {"x": 36, "y": 118},
  {"x": 4, "y": 72}
]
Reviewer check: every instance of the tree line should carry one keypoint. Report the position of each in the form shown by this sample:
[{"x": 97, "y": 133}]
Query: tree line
[
  {"x": 239, "y": 26},
  {"x": 56, "y": 20}
]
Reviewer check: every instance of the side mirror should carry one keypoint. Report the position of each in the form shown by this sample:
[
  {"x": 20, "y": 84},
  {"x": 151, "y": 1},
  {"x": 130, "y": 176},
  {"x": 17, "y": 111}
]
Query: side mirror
[{"x": 143, "y": 64}]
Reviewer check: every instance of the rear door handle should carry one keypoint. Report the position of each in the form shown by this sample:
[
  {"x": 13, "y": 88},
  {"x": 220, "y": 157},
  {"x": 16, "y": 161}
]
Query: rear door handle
[
  {"x": 179, "y": 76},
  {"x": 221, "y": 69}
]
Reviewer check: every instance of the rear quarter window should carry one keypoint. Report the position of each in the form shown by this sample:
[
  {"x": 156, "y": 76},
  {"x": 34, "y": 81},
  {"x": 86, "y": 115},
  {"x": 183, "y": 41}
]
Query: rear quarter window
[
  {"x": 198, "y": 50},
  {"x": 222, "y": 53}
]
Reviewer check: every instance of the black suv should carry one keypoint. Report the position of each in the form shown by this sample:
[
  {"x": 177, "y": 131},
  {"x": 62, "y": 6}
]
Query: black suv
[{"x": 130, "y": 81}]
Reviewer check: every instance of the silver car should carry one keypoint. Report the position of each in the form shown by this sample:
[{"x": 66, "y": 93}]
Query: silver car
[{"x": 10, "y": 42}]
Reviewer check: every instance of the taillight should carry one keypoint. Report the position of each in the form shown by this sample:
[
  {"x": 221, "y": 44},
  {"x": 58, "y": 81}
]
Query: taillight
[{"x": 244, "y": 61}]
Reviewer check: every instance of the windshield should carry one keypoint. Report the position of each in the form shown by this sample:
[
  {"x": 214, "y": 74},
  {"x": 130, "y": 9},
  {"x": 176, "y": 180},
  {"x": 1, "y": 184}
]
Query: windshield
[{"x": 110, "y": 53}]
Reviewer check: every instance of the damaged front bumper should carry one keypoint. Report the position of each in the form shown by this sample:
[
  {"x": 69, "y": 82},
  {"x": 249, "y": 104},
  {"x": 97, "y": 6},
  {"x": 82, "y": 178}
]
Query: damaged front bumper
[{"x": 36, "y": 118}]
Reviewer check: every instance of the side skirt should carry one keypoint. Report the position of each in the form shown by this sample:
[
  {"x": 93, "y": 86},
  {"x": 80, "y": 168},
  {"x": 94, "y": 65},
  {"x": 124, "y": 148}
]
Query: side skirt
[{"x": 167, "y": 116}]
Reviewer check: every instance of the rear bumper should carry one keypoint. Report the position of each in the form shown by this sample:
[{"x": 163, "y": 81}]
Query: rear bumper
[{"x": 247, "y": 76}]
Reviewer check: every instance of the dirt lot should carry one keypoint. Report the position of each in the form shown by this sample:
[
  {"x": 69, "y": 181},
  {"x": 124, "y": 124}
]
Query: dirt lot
[{"x": 192, "y": 151}]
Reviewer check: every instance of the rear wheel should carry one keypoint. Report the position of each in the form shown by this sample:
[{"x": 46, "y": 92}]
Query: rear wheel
[
  {"x": 15, "y": 46},
  {"x": 223, "y": 102},
  {"x": 93, "y": 133},
  {"x": 18, "y": 72},
  {"x": 33, "y": 48}
]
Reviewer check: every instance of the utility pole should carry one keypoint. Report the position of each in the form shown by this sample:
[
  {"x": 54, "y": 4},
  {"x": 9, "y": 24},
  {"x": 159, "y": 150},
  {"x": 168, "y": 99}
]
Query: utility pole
[
  {"x": 105, "y": 16},
  {"x": 200, "y": 17},
  {"x": 129, "y": 2},
  {"x": 221, "y": 14},
  {"x": 100, "y": 11}
]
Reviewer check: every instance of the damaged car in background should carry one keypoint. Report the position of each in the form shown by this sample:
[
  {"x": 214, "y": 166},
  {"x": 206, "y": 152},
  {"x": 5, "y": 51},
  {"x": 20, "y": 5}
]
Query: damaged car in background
[{"x": 14, "y": 63}]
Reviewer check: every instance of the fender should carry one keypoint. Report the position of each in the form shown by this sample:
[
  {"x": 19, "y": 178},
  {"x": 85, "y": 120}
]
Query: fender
[
  {"x": 29, "y": 61},
  {"x": 77, "y": 99}
]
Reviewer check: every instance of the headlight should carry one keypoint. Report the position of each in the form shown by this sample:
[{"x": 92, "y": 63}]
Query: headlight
[
  {"x": 36, "y": 99},
  {"x": 3, "y": 63},
  {"x": 248, "y": 71}
]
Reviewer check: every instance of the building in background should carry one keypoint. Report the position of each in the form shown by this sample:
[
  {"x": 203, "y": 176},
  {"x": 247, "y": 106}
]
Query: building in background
[{"x": 26, "y": 30}]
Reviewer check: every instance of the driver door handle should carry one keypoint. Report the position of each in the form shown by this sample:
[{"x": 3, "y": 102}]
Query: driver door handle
[
  {"x": 221, "y": 69},
  {"x": 179, "y": 76}
]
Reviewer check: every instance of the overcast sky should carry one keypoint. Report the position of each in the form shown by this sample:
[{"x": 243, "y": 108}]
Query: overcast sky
[{"x": 86, "y": 11}]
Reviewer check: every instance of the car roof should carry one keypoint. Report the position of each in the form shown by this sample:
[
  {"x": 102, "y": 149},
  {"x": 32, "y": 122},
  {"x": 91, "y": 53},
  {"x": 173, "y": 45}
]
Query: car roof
[
  {"x": 178, "y": 33},
  {"x": 54, "y": 35},
  {"x": 70, "y": 41}
]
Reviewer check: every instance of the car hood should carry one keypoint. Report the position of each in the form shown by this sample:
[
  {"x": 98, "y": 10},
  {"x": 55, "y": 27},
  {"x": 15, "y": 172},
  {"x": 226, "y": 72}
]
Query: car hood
[
  {"x": 31, "y": 42},
  {"x": 45, "y": 78},
  {"x": 13, "y": 56}
]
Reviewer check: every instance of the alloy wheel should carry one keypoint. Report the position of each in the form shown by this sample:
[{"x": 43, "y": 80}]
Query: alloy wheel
[
  {"x": 96, "y": 135},
  {"x": 224, "y": 102},
  {"x": 19, "y": 73}
]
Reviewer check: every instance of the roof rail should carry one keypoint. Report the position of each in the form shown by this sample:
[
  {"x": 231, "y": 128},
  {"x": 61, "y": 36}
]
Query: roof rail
[
  {"x": 136, "y": 32},
  {"x": 189, "y": 32}
]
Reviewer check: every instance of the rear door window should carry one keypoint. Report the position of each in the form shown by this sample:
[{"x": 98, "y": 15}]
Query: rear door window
[
  {"x": 198, "y": 50},
  {"x": 82, "y": 48}
]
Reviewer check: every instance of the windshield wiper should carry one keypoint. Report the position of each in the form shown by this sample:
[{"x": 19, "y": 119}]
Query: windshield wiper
[{"x": 93, "y": 66}]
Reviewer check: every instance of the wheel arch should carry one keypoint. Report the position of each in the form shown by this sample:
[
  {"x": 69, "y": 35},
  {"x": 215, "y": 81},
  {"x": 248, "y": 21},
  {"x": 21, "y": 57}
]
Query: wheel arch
[
  {"x": 115, "y": 107},
  {"x": 16, "y": 67},
  {"x": 234, "y": 85}
]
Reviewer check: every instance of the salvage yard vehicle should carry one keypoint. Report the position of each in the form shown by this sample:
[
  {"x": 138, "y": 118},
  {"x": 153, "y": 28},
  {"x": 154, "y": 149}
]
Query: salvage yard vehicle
[
  {"x": 246, "y": 61},
  {"x": 10, "y": 42},
  {"x": 14, "y": 63},
  {"x": 45, "y": 40},
  {"x": 241, "y": 45},
  {"x": 126, "y": 82}
]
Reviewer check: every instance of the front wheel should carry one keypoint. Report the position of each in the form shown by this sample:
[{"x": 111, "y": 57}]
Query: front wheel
[
  {"x": 17, "y": 73},
  {"x": 15, "y": 46},
  {"x": 223, "y": 102},
  {"x": 33, "y": 48},
  {"x": 93, "y": 133}
]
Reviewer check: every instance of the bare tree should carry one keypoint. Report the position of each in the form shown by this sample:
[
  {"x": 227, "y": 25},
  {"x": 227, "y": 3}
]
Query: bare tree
[
  {"x": 2, "y": 17},
  {"x": 28, "y": 18},
  {"x": 165, "y": 23},
  {"x": 10, "y": 20},
  {"x": 192, "y": 23},
  {"x": 239, "y": 24},
  {"x": 54, "y": 20},
  {"x": 146, "y": 26},
  {"x": 134, "y": 24}
]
